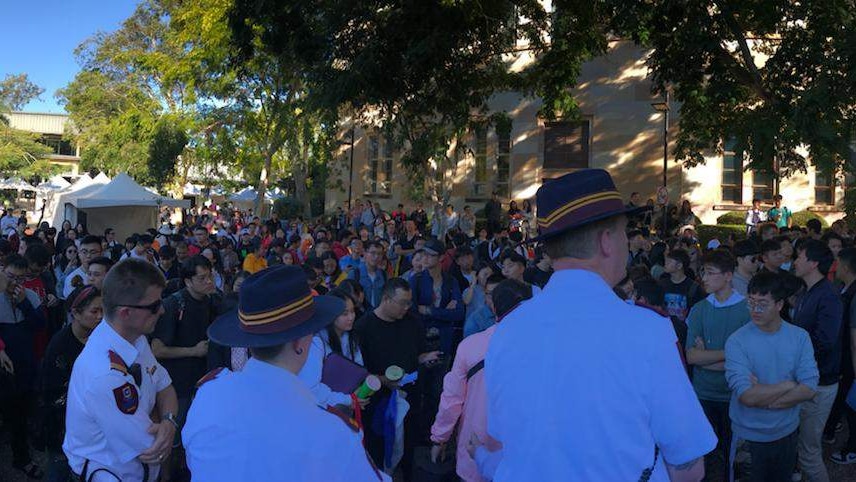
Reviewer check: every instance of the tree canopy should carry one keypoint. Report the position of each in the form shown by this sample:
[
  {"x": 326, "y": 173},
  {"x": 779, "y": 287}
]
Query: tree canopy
[
  {"x": 773, "y": 76},
  {"x": 20, "y": 152}
]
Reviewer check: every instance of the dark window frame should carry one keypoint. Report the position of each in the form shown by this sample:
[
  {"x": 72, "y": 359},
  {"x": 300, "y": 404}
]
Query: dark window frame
[{"x": 560, "y": 138}]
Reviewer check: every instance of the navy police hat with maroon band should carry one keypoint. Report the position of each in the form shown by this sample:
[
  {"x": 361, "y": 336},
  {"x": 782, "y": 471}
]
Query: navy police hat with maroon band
[
  {"x": 577, "y": 199},
  {"x": 275, "y": 307}
]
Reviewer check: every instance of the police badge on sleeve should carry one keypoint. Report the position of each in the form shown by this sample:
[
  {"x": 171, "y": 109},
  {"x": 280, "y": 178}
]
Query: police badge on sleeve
[{"x": 127, "y": 398}]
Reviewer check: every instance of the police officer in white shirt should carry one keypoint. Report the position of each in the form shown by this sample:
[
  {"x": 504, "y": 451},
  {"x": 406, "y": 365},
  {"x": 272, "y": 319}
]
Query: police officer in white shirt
[
  {"x": 262, "y": 423},
  {"x": 117, "y": 384},
  {"x": 582, "y": 386}
]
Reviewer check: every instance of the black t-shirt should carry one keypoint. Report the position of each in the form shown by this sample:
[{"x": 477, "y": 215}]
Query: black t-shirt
[
  {"x": 184, "y": 324},
  {"x": 679, "y": 298},
  {"x": 385, "y": 343},
  {"x": 62, "y": 351},
  {"x": 535, "y": 276}
]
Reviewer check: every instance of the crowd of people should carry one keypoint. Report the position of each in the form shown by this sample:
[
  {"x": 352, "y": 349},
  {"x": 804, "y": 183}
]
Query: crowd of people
[
  {"x": 54, "y": 280},
  {"x": 436, "y": 343}
]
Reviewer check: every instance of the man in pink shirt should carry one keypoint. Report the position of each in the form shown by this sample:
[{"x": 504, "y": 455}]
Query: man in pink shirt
[{"x": 464, "y": 394}]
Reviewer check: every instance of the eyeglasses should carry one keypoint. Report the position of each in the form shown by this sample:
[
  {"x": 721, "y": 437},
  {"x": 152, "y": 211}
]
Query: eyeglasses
[
  {"x": 758, "y": 306},
  {"x": 403, "y": 303},
  {"x": 153, "y": 307}
]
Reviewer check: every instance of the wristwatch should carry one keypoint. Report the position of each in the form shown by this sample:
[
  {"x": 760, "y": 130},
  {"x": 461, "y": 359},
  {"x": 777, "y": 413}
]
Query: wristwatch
[{"x": 170, "y": 417}]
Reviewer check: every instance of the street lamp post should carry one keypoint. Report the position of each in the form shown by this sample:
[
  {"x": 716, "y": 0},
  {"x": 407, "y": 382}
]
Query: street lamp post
[
  {"x": 350, "y": 145},
  {"x": 663, "y": 108}
]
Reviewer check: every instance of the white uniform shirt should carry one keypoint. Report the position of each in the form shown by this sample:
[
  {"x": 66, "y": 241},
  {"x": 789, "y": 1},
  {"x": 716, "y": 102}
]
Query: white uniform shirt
[
  {"x": 582, "y": 386},
  {"x": 263, "y": 424},
  {"x": 103, "y": 424}
]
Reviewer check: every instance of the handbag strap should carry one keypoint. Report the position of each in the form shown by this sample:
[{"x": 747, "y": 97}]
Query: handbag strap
[{"x": 475, "y": 369}]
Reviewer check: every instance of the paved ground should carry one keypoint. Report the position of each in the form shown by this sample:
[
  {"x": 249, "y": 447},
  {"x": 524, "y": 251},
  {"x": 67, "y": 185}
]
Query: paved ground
[{"x": 837, "y": 473}]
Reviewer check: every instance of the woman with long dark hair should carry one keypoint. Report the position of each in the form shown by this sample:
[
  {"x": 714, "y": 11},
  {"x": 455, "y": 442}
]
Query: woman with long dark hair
[
  {"x": 65, "y": 262},
  {"x": 338, "y": 338}
]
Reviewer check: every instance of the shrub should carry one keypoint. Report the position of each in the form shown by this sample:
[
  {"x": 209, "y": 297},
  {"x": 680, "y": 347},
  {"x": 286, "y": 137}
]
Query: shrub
[
  {"x": 800, "y": 218},
  {"x": 733, "y": 218},
  {"x": 739, "y": 218}
]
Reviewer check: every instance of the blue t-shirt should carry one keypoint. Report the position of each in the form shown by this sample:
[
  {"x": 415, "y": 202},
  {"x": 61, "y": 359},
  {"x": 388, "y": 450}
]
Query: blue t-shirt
[{"x": 773, "y": 358}]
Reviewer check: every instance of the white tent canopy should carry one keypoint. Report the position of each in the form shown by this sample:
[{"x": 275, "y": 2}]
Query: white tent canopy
[
  {"x": 102, "y": 178},
  {"x": 54, "y": 184},
  {"x": 248, "y": 196},
  {"x": 16, "y": 184},
  {"x": 124, "y": 191},
  {"x": 61, "y": 207},
  {"x": 123, "y": 205}
]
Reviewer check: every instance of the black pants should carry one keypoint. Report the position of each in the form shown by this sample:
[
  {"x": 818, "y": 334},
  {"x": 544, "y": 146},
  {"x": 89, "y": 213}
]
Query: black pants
[
  {"x": 16, "y": 405},
  {"x": 773, "y": 461},
  {"x": 717, "y": 415}
]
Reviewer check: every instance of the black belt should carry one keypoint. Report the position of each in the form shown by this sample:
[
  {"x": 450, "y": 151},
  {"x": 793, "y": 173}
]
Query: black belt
[{"x": 84, "y": 473}]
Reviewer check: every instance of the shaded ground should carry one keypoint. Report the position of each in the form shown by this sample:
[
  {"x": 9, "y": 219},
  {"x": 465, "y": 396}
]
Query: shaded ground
[{"x": 837, "y": 473}]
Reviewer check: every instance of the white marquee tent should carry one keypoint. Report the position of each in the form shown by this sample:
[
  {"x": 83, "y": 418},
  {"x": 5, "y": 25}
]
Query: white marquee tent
[
  {"x": 123, "y": 205},
  {"x": 56, "y": 211}
]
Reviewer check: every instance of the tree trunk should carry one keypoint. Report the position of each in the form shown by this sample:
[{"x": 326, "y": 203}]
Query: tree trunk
[
  {"x": 261, "y": 189},
  {"x": 300, "y": 174}
]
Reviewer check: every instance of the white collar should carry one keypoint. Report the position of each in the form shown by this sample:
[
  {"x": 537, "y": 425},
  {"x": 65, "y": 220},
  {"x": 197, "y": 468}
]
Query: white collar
[{"x": 731, "y": 301}]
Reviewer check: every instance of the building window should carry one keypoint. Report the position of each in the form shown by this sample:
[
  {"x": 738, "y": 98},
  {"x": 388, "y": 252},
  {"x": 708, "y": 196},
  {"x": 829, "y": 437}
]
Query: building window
[
  {"x": 824, "y": 187},
  {"x": 380, "y": 166},
  {"x": 58, "y": 144},
  {"x": 732, "y": 175},
  {"x": 762, "y": 186},
  {"x": 566, "y": 145},
  {"x": 503, "y": 163},
  {"x": 480, "y": 178}
]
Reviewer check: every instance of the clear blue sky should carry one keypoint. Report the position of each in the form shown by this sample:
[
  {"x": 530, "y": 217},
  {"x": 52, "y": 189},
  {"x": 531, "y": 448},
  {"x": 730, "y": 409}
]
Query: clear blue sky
[{"x": 38, "y": 37}]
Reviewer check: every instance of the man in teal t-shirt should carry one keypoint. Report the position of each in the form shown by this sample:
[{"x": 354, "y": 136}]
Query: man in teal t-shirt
[
  {"x": 710, "y": 322},
  {"x": 782, "y": 216}
]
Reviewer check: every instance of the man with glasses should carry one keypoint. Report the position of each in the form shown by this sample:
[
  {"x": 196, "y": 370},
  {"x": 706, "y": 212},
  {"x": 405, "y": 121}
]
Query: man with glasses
[
  {"x": 388, "y": 336},
  {"x": 770, "y": 368},
  {"x": 90, "y": 248},
  {"x": 710, "y": 322},
  {"x": 180, "y": 340},
  {"x": 370, "y": 277},
  {"x": 117, "y": 386},
  {"x": 20, "y": 319}
]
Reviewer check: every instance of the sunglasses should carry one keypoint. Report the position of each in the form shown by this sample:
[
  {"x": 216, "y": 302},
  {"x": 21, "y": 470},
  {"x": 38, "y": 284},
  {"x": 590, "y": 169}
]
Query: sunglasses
[{"x": 153, "y": 307}]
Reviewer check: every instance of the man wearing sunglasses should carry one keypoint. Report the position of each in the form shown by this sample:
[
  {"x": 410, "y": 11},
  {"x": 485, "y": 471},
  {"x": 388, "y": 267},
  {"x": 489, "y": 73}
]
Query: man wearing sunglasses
[{"x": 117, "y": 385}]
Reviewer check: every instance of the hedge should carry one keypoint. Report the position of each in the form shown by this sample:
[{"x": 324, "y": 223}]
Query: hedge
[
  {"x": 707, "y": 232},
  {"x": 738, "y": 218}
]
